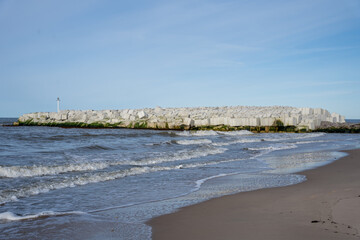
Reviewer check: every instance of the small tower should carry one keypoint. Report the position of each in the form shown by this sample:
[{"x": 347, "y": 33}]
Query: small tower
[{"x": 58, "y": 104}]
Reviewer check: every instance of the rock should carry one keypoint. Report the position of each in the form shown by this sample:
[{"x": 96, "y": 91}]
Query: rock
[
  {"x": 189, "y": 122},
  {"x": 142, "y": 114},
  {"x": 158, "y": 109}
]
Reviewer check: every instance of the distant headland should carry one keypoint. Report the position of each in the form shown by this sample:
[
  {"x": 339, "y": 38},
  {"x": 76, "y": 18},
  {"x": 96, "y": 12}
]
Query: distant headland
[{"x": 256, "y": 119}]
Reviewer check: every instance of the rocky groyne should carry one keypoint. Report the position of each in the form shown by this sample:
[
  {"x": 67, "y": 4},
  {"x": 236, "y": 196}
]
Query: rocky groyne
[
  {"x": 331, "y": 127},
  {"x": 274, "y": 118}
]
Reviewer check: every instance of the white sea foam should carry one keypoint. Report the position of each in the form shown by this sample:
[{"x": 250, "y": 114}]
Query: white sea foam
[
  {"x": 311, "y": 135},
  {"x": 275, "y": 147},
  {"x": 294, "y": 136},
  {"x": 236, "y": 141},
  {"x": 196, "y": 133},
  {"x": 194, "y": 142},
  {"x": 199, "y": 182},
  {"x": 203, "y": 164},
  {"x": 306, "y": 135},
  {"x": 31, "y": 171},
  {"x": 308, "y": 142},
  {"x": 46, "y": 186},
  {"x": 9, "y": 216},
  {"x": 180, "y": 156},
  {"x": 213, "y": 133},
  {"x": 235, "y": 133}
]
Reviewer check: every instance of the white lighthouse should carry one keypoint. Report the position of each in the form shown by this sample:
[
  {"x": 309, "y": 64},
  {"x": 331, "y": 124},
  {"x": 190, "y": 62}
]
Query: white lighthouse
[{"x": 58, "y": 104}]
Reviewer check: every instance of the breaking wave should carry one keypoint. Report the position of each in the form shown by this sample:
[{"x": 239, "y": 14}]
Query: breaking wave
[
  {"x": 237, "y": 141},
  {"x": 179, "y": 156},
  {"x": 194, "y": 142},
  {"x": 275, "y": 147},
  {"x": 9, "y": 216},
  {"x": 32, "y": 171},
  {"x": 307, "y": 142},
  {"x": 10, "y": 195},
  {"x": 196, "y": 133},
  {"x": 235, "y": 133},
  {"x": 212, "y": 133},
  {"x": 94, "y": 147},
  {"x": 294, "y": 136}
]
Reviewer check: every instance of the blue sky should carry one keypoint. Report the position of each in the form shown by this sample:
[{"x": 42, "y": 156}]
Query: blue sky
[{"x": 100, "y": 54}]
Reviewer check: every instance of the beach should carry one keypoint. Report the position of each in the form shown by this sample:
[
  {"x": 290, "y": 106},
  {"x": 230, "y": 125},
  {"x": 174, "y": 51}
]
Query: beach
[{"x": 325, "y": 206}]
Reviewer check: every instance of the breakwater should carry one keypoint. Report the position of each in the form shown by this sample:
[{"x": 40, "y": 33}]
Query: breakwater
[{"x": 272, "y": 118}]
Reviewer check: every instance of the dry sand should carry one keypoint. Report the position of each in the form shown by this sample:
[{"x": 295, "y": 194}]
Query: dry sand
[{"x": 326, "y": 206}]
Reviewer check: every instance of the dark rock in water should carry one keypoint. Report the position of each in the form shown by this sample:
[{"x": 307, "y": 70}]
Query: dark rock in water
[
  {"x": 315, "y": 221},
  {"x": 330, "y": 127}
]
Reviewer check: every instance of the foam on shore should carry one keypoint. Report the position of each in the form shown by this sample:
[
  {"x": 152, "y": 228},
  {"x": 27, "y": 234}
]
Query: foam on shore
[{"x": 9, "y": 216}]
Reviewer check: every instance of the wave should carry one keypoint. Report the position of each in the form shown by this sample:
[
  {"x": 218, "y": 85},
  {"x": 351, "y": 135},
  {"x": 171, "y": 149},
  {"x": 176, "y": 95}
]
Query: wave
[
  {"x": 212, "y": 133},
  {"x": 196, "y": 133},
  {"x": 199, "y": 182},
  {"x": 204, "y": 164},
  {"x": 275, "y": 148},
  {"x": 307, "y": 142},
  {"x": 237, "y": 141},
  {"x": 94, "y": 147},
  {"x": 236, "y": 133},
  {"x": 12, "y": 195},
  {"x": 179, "y": 156},
  {"x": 9, "y": 216},
  {"x": 46, "y": 186},
  {"x": 311, "y": 135},
  {"x": 161, "y": 143},
  {"x": 32, "y": 171},
  {"x": 194, "y": 142},
  {"x": 294, "y": 136},
  {"x": 182, "y": 142},
  {"x": 104, "y": 133}
]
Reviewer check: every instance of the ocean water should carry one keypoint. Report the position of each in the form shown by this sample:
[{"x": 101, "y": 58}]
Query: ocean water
[
  {"x": 58, "y": 183},
  {"x": 352, "y": 120}
]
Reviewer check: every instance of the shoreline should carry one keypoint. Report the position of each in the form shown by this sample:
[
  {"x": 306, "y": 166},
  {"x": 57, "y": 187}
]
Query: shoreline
[{"x": 323, "y": 207}]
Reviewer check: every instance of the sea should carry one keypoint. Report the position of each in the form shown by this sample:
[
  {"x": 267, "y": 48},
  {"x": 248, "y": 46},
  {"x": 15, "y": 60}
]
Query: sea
[{"x": 73, "y": 183}]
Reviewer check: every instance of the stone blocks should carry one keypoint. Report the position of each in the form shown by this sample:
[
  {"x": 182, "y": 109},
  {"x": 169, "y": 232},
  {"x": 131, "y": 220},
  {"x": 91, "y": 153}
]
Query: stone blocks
[{"x": 176, "y": 118}]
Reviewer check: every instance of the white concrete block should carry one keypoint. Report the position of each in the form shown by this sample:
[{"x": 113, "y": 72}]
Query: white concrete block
[
  {"x": 142, "y": 114},
  {"x": 235, "y": 122},
  {"x": 215, "y": 121},
  {"x": 341, "y": 119},
  {"x": 253, "y": 122},
  {"x": 189, "y": 122}
]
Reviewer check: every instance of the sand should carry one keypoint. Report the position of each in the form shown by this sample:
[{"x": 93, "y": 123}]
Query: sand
[{"x": 326, "y": 206}]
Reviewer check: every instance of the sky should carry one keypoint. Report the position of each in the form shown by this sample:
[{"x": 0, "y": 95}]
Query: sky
[{"x": 109, "y": 54}]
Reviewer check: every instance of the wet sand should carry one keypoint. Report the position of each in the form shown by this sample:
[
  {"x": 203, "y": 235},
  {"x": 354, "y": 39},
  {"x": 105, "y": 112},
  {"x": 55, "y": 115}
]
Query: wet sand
[{"x": 326, "y": 206}]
